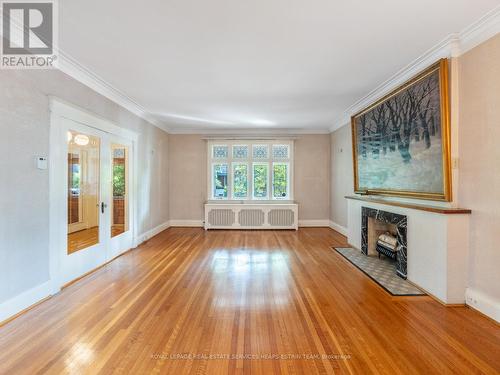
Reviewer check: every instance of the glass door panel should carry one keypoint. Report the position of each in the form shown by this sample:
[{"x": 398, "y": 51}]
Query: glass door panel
[
  {"x": 83, "y": 190},
  {"x": 119, "y": 181}
]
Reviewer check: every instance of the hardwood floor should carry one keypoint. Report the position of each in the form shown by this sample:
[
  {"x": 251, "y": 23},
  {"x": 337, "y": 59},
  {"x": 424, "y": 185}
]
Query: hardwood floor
[
  {"x": 243, "y": 302},
  {"x": 87, "y": 237},
  {"x": 82, "y": 239}
]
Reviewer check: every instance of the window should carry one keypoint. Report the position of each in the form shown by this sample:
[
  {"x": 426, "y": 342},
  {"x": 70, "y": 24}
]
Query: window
[
  {"x": 280, "y": 181},
  {"x": 280, "y": 151},
  {"x": 260, "y": 180},
  {"x": 219, "y": 181},
  {"x": 240, "y": 181},
  {"x": 240, "y": 151},
  {"x": 220, "y": 152},
  {"x": 119, "y": 216},
  {"x": 250, "y": 170},
  {"x": 260, "y": 151}
]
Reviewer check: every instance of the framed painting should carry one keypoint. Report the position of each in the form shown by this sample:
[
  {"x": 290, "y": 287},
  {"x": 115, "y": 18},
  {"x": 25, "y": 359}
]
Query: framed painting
[{"x": 401, "y": 143}]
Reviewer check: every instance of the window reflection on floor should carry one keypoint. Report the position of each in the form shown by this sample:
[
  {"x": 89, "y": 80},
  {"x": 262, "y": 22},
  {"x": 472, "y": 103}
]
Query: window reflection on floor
[{"x": 236, "y": 271}]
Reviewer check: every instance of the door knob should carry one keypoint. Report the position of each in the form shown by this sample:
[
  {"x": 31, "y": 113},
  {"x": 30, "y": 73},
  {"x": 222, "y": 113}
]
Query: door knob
[{"x": 103, "y": 206}]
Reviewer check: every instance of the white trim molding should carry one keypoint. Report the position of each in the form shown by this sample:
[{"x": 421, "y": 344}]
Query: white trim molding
[
  {"x": 25, "y": 300},
  {"x": 187, "y": 223},
  {"x": 73, "y": 112},
  {"x": 82, "y": 74},
  {"x": 262, "y": 132},
  {"x": 151, "y": 233},
  {"x": 480, "y": 31},
  {"x": 453, "y": 45},
  {"x": 314, "y": 223},
  {"x": 483, "y": 303},
  {"x": 338, "y": 228}
]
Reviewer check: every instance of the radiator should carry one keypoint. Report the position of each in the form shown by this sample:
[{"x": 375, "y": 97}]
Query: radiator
[{"x": 251, "y": 216}]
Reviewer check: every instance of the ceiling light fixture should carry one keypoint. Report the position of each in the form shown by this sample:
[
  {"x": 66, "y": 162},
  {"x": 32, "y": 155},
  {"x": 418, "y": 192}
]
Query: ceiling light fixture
[{"x": 81, "y": 140}]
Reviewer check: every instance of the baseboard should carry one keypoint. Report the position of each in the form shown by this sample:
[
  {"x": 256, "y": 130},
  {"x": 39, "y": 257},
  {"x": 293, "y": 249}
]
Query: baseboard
[
  {"x": 339, "y": 228},
  {"x": 314, "y": 223},
  {"x": 24, "y": 301},
  {"x": 186, "y": 223},
  {"x": 484, "y": 303},
  {"x": 151, "y": 233}
]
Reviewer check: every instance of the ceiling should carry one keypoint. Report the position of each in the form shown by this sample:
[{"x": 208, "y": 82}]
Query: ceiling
[{"x": 260, "y": 64}]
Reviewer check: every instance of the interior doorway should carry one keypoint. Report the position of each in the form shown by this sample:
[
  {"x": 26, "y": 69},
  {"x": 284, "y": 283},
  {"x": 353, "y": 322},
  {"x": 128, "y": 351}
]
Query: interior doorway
[{"x": 92, "y": 191}]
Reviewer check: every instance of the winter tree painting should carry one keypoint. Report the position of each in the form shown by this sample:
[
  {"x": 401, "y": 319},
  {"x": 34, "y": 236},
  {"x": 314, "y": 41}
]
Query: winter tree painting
[{"x": 401, "y": 141}]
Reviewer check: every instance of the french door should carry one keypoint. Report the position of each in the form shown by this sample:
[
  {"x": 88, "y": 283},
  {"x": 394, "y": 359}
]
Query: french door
[{"x": 96, "y": 196}]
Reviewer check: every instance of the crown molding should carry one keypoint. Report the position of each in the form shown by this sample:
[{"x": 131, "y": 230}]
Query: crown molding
[
  {"x": 77, "y": 71},
  {"x": 453, "y": 45},
  {"x": 480, "y": 31},
  {"x": 250, "y": 132}
]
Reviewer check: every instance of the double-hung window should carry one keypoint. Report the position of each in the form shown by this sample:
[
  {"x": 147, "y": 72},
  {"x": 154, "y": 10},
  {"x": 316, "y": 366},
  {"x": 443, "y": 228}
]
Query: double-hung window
[{"x": 250, "y": 170}]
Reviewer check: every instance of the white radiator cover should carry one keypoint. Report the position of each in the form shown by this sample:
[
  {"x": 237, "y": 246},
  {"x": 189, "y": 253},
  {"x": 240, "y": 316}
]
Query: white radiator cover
[{"x": 251, "y": 216}]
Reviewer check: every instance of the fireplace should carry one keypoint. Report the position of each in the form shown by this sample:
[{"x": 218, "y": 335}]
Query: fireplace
[{"x": 375, "y": 223}]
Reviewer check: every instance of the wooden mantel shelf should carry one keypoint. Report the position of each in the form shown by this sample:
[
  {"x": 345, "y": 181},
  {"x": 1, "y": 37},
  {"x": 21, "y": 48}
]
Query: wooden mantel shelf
[{"x": 421, "y": 207}]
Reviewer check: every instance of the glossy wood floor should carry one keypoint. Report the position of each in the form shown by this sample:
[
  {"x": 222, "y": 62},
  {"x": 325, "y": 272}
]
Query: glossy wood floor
[
  {"x": 87, "y": 237},
  {"x": 82, "y": 239},
  {"x": 219, "y": 302}
]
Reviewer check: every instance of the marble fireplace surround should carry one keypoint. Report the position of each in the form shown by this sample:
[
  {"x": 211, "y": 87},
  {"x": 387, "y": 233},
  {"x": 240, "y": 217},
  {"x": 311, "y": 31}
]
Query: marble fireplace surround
[
  {"x": 437, "y": 239},
  {"x": 401, "y": 223}
]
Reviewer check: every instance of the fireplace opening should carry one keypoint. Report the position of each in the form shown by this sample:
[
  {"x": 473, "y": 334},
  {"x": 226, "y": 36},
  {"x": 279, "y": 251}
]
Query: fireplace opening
[
  {"x": 382, "y": 238},
  {"x": 384, "y": 234}
]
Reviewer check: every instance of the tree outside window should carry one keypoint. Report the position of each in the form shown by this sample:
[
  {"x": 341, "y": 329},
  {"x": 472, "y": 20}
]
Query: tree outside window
[{"x": 280, "y": 181}]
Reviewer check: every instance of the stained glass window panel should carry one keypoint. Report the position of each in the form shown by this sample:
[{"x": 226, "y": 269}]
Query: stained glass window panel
[
  {"x": 240, "y": 151},
  {"x": 280, "y": 151},
  {"x": 260, "y": 151},
  {"x": 220, "y": 152}
]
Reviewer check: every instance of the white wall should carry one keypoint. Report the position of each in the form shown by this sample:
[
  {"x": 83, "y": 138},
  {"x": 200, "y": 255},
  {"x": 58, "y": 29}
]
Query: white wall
[{"x": 24, "y": 190}]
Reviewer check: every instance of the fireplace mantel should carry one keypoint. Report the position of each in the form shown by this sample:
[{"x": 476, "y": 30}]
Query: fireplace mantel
[
  {"x": 413, "y": 206},
  {"x": 437, "y": 243}
]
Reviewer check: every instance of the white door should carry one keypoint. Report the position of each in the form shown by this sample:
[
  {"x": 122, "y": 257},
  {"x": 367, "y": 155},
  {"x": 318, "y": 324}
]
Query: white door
[
  {"x": 120, "y": 183},
  {"x": 96, "y": 195}
]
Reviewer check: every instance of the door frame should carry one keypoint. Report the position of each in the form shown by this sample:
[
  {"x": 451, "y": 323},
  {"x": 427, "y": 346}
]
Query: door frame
[{"x": 60, "y": 110}]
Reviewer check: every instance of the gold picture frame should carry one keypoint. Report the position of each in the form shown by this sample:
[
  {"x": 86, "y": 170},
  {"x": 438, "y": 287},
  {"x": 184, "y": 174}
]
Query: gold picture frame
[{"x": 416, "y": 100}]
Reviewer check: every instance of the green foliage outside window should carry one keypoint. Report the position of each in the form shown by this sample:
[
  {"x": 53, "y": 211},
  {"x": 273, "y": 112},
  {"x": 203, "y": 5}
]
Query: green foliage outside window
[
  {"x": 119, "y": 180},
  {"x": 260, "y": 180},
  {"x": 240, "y": 184},
  {"x": 220, "y": 181},
  {"x": 280, "y": 180},
  {"x": 75, "y": 176}
]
